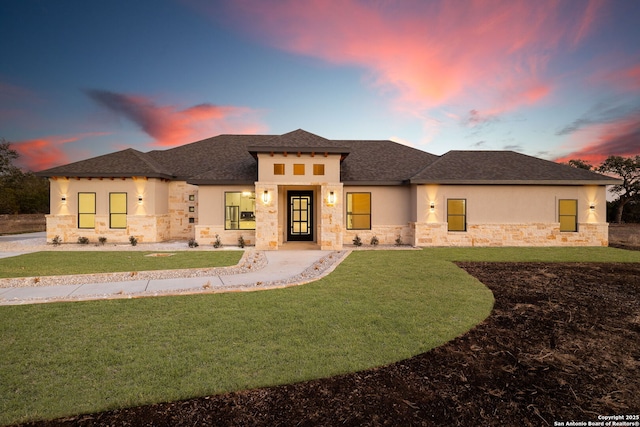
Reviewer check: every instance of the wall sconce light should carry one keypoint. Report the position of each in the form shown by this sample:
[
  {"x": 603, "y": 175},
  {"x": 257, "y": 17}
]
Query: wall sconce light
[
  {"x": 432, "y": 207},
  {"x": 266, "y": 197},
  {"x": 140, "y": 199},
  {"x": 592, "y": 206},
  {"x": 64, "y": 200},
  {"x": 331, "y": 199}
]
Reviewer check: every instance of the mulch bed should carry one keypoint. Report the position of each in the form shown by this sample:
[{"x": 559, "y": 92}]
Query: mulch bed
[{"x": 562, "y": 344}]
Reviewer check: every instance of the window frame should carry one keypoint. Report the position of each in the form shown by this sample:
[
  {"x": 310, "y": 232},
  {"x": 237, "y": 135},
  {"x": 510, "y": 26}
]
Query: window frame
[
  {"x": 227, "y": 211},
  {"x": 350, "y": 214},
  {"x": 125, "y": 213},
  {"x": 574, "y": 215},
  {"x": 81, "y": 214},
  {"x": 456, "y": 215}
]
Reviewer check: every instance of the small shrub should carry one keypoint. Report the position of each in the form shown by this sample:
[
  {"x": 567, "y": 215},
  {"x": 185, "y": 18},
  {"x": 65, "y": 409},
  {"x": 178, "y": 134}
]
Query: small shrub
[
  {"x": 241, "y": 242},
  {"x": 133, "y": 240},
  {"x": 218, "y": 242},
  {"x": 56, "y": 241},
  {"x": 399, "y": 241},
  {"x": 192, "y": 243},
  {"x": 83, "y": 240},
  {"x": 102, "y": 240},
  {"x": 357, "y": 241},
  {"x": 374, "y": 241}
]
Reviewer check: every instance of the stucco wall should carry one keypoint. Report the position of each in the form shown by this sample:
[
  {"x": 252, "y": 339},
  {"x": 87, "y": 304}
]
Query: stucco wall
[
  {"x": 147, "y": 220},
  {"x": 331, "y": 168},
  {"x": 509, "y": 215}
]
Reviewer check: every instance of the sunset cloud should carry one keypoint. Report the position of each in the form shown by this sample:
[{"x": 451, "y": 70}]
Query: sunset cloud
[
  {"x": 616, "y": 138},
  {"x": 46, "y": 152},
  {"x": 170, "y": 126},
  {"x": 490, "y": 54}
]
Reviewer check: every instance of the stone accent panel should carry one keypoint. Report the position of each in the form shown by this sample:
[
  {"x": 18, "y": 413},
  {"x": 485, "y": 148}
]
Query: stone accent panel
[
  {"x": 537, "y": 234},
  {"x": 331, "y": 218},
  {"x": 386, "y": 234},
  {"x": 180, "y": 194},
  {"x": 266, "y": 233},
  {"x": 206, "y": 235}
]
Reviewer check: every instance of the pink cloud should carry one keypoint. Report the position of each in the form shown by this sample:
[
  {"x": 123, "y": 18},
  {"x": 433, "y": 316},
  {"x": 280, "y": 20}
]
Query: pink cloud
[
  {"x": 429, "y": 54},
  {"x": 171, "y": 126},
  {"x": 616, "y": 138},
  {"x": 46, "y": 152}
]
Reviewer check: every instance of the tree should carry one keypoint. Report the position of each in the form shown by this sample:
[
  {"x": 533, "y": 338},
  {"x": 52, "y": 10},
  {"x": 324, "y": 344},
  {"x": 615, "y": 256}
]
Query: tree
[
  {"x": 580, "y": 164},
  {"x": 627, "y": 169},
  {"x": 20, "y": 192}
]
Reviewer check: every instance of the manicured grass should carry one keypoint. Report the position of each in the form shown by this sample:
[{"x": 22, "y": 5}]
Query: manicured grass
[
  {"x": 51, "y": 263},
  {"x": 377, "y": 307}
]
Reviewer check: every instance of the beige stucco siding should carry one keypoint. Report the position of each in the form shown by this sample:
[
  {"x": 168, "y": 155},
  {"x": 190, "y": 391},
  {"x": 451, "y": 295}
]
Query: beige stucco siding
[
  {"x": 266, "y": 163},
  {"x": 146, "y": 219},
  {"x": 504, "y": 204}
]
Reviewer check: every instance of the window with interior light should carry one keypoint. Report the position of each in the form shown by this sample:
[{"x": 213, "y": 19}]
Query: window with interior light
[
  {"x": 240, "y": 210},
  {"x": 359, "y": 211},
  {"x": 568, "y": 214},
  {"x": 318, "y": 169},
  {"x": 298, "y": 169},
  {"x": 117, "y": 210},
  {"x": 456, "y": 214},
  {"x": 278, "y": 169},
  {"x": 86, "y": 210}
]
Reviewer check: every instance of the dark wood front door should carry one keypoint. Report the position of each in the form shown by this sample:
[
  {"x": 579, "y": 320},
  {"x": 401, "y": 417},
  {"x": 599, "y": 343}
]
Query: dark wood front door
[{"x": 300, "y": 216}]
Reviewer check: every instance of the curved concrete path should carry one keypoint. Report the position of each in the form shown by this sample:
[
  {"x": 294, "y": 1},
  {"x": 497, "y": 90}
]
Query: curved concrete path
[{"x": 276, "y": 269}]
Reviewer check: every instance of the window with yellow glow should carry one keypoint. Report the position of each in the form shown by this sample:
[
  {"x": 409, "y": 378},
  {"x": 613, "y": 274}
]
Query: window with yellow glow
[
  {"x": 318, "y": 169},
  {"x": 457, "y": 214},
  {"x": 298, "y": 169},
  {"x": 117, "y": 210},
  {"x": 278, "y": 169},
  {"x": 86, "y": 210},
  {"x": 359, "y": 211},
  {"x": 240, "y": 210},
  {"x": 568, "y": 214}
]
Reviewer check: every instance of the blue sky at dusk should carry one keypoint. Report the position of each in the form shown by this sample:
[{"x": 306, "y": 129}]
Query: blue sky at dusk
[{"x": 553, "y": 79}]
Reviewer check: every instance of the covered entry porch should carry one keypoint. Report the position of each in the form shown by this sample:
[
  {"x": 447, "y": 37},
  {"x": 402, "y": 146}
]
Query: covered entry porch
[{"x": 299, "y": 215}]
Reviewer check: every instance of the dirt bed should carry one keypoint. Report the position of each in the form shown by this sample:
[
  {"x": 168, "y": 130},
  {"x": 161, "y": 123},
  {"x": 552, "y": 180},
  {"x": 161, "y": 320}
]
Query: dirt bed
[{"x": 562, "y": 344}]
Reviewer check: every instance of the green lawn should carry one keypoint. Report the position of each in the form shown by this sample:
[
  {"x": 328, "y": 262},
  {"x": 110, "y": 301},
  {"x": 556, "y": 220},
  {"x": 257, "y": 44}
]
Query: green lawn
[
  {"x": 377, "y": 307},
  {"x": 52, "y": 263}
]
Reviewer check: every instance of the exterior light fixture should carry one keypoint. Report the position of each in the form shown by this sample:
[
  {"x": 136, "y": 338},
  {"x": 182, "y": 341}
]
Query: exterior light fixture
[
  {"x": 432, "y": 207},
  {"x": 64, "y": 200},
  {"x": 331, "y": 199},
  {"x": 592, "y": 206},
  {"x": 140, "y": 199},
  {"x": 265, "y": 197}
]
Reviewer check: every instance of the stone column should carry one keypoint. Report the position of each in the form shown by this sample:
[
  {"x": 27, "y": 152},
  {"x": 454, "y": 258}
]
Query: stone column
[
  {"x": 331, "y": 217},
  {"x": 266, "y": 216}
]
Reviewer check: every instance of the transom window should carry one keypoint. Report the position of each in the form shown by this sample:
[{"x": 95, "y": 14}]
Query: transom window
[
  {"x": 318, "y": 169},
  {"x": 117, "y": 210},
  {"x": 278, "y": 169},
  {"x": 86, "y": 210},
  {"x": 568, "y": 214},
  {"x": 359, "y": 211},
  {"x": 457, "y": 214},
  {"x": 298, "y": 169},
  {"x": 240, "y": 210}
]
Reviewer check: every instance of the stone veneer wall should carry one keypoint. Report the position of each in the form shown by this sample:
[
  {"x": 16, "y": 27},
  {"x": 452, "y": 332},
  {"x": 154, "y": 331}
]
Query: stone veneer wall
[
  {"x": 179, "y": 204},
  {"x": 146, "y": 228},
  {"x": 206, "y": 235},
  {"x": 537, "y": 234},
  {"x": 386, "y": 234}
]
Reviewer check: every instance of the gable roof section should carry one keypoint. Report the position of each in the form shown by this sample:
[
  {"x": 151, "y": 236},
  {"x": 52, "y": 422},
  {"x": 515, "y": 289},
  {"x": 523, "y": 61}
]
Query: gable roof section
[
  {"x": 125, "y": 163},
  {"x": 504, "y": 167}
]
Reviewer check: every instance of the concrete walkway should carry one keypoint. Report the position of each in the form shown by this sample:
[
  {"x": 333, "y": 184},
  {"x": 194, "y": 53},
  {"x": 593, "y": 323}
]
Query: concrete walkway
[{"x": 276, "y": 269}]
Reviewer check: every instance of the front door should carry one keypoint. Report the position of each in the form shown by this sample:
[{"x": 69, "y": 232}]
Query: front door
[{"x": 300, "y": 216}]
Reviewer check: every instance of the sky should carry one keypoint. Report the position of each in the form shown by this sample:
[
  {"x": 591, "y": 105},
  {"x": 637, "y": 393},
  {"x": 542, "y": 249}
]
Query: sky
[{"x": 558, "y": 80}]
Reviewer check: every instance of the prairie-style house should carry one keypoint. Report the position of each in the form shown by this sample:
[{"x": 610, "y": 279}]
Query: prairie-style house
[{"x": 272, "y": 190}]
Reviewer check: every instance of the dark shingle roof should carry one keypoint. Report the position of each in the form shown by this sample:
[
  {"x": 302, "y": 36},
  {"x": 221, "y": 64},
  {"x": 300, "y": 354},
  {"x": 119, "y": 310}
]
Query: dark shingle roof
[
  {"x": 123, "y": 163},
  {"x": 503, "y": 167},
  {"x": 229, "y": 159}
]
